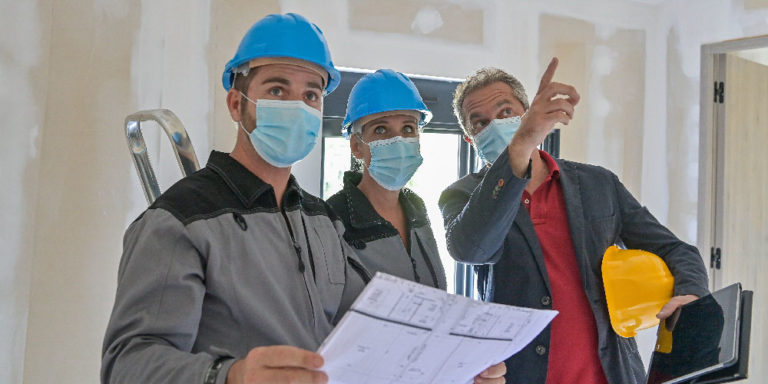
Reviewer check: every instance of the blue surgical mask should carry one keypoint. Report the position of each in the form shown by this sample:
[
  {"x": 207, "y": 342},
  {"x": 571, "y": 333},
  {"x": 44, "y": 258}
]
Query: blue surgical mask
[
  {"x": 394, "y": 161},
  {"x": 286, "y": 130},
  {"x": 493, "y": 140}
]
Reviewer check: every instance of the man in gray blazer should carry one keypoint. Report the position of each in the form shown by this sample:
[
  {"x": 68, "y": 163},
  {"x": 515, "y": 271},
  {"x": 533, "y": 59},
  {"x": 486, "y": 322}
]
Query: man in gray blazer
[{"x": 548, "y": 254}]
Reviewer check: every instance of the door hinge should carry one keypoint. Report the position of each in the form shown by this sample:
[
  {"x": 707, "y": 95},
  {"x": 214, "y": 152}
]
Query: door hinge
[
  {"x": 715, "y": 258},
  {"x": 719, "y": 92}
]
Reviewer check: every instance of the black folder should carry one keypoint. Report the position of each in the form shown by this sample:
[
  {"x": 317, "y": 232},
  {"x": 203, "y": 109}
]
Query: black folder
[{"x": 705, "y": 341}]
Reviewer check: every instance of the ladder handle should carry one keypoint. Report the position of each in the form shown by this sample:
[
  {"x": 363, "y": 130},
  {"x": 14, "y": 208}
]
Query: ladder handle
[{"x": 180, "y": 143}]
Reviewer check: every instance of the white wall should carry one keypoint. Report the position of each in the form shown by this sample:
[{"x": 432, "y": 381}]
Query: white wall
[
  {"x": 72, "y": 72},
  {"x": 22, "y": 101}
]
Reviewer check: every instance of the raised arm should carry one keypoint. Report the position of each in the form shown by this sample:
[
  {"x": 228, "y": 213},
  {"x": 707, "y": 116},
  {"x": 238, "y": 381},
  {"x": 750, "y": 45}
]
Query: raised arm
[{"x": 477, "y": 214}]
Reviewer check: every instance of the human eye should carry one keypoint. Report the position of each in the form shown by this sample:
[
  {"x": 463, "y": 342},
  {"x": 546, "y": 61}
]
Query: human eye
[
  {"x": 380, "y": 130},
  {"x": 507, "y": 112},
  {"x": 276, "y": 91},
  {"x": 312, "y": 96},
  {"x": 479, "y": 124},
  {"x": 409, "y": 129}
]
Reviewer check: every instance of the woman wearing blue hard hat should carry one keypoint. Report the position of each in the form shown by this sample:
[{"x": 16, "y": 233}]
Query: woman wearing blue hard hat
[{"x": 386, "y": 222}]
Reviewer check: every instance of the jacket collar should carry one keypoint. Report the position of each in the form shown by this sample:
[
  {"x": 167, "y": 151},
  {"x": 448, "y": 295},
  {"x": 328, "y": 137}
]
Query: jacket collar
[
  {"x": 552, "y": 166},
  {"x": 363, "y": 215},
  {"x": 248, "y": 187}
]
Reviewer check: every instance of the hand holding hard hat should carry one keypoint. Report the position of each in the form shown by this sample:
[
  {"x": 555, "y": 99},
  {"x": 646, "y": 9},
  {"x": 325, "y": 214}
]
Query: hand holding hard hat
[{"x": 638, "y": 290}]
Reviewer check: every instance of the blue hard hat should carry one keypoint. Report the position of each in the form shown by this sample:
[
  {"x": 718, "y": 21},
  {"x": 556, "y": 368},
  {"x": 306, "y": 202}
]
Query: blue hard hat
[
  {"x": 382, "y": 91},
  {"x": 288, "y": 35}
]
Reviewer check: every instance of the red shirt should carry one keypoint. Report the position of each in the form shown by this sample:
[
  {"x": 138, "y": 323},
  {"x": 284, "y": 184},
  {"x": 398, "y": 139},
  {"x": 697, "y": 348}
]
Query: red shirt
[{"x": 573, "y": 357}]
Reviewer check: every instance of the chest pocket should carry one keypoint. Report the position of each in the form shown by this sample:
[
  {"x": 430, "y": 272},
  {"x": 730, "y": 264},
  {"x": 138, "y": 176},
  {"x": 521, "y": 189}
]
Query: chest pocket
[
  {"x": 329, "y": 268},
  {"x": 329, "y": 261}
]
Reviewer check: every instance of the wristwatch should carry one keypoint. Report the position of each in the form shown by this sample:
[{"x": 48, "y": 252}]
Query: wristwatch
[{"x": 213, "y": 371}]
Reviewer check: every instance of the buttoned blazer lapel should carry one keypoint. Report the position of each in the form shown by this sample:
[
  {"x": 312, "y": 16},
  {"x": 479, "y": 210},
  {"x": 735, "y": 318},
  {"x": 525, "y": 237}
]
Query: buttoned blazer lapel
[
  {"x": 525, "y": 225},
  {"x": 572, "y": 190}
]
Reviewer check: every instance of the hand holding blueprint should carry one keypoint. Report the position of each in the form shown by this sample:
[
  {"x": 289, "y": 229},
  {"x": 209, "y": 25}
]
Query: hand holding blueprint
[{"x": 398, "y": 331}]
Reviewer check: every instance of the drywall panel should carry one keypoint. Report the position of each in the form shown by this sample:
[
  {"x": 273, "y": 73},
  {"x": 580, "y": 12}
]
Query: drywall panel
[
  {"x": 681, "y": 143},
  {"x": 229, "y": 22},
  {"x": 23, "y": 74},
  {"x": 437, "y": 19},
  {"x": 607, "y": 67},
  {"x": 755, "y": 4},
  {"x": 83, "y": 179}
]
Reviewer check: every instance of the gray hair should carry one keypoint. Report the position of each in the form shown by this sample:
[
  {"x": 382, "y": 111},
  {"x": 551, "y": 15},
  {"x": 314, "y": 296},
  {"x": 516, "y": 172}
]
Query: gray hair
[{"x": 481, "y": 78}]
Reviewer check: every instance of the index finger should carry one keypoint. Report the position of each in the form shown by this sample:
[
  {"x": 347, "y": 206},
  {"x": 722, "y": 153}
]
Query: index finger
[
  {"x": 546, "y": 78},
  {"x": 284, "y": 356}
]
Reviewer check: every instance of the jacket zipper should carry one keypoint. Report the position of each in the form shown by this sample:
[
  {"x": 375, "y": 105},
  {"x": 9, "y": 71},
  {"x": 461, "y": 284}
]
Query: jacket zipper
[
  {"x": 302, "y": 268},
  {"x": 428, "y": 261}
]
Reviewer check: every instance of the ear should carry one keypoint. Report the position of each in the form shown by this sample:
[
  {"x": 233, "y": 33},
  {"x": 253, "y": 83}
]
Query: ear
[{"x": 234, "y": 103}]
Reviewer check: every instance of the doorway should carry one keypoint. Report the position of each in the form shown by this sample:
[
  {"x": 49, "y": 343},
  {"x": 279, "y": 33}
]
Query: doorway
[{"x": 733, "y": 177}]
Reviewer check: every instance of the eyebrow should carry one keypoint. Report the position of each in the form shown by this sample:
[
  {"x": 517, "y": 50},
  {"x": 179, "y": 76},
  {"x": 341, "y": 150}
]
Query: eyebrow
[
  {"x": 380, "y": 120},
  {"x": 502, "y": 102},
  {"x": 284, "y": 81},
  {"x": 276, "y": 79}
]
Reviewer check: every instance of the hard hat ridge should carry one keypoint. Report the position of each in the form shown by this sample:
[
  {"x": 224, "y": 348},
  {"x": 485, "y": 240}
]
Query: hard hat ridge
[{"x": 283, "y": 36}]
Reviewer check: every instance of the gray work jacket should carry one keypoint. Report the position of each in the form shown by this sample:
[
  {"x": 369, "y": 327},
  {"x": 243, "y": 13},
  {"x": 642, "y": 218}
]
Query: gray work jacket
[
  {"x": 486, "y": 224},
  {"x": 214, "y": 268},
  {"x": 378, "y": 243}
]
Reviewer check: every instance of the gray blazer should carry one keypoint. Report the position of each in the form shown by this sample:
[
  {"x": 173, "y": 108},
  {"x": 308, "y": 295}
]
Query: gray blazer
[{"x": 485, "y": 225}]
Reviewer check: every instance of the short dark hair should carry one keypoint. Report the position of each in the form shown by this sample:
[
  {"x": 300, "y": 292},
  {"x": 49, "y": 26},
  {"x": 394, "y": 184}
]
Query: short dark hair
[
  {"x": 243, "y": 81},
  {"x": 481, "y": 78}
]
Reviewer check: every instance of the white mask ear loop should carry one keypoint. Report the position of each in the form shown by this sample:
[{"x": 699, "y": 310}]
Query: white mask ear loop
[
  {"x": 247, "y": 98},
  {"x": 360, "y": 137},
  {"x": 239, "y": 123}
]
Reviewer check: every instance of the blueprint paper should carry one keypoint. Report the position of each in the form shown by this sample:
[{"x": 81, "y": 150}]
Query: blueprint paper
[{"x": 398, "y": 331}]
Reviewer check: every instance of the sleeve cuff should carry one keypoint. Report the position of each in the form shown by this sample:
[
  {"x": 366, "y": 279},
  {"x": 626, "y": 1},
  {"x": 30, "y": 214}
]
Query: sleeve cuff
[
  {"x": 221, "y": 368},
  {"x": 691, "y": 290}
]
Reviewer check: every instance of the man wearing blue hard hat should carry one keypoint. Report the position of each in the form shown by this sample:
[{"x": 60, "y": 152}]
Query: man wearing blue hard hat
[{"x": 235, "y": 274}]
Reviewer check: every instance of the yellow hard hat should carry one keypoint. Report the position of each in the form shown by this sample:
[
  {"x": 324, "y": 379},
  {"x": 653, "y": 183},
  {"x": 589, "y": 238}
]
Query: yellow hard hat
[{"x": 637, "y": 284}]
